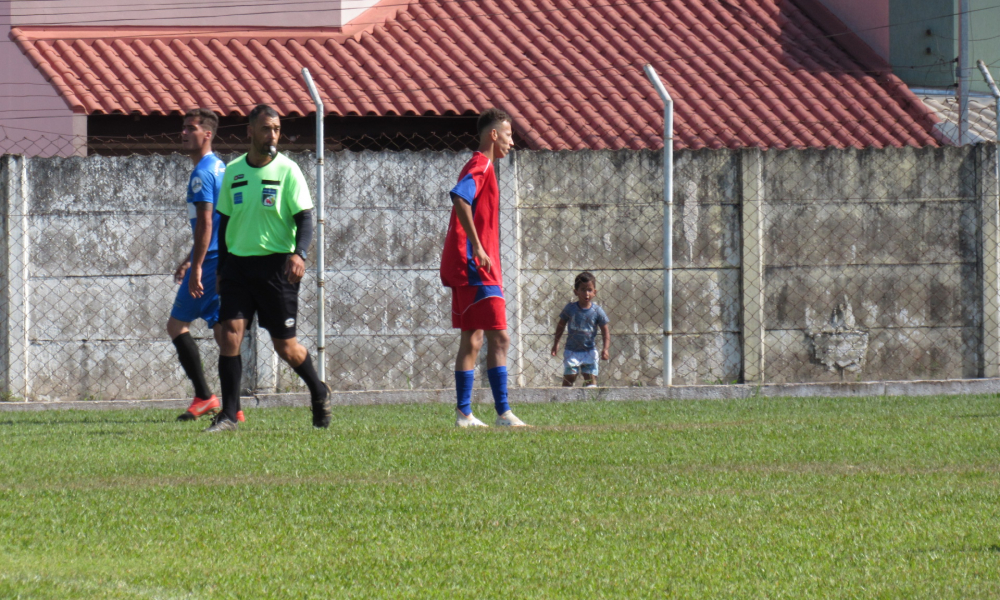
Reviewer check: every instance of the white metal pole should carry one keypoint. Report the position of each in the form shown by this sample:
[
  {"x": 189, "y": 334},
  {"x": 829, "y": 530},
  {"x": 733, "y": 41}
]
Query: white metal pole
[
  {"x": 668, "y": 224},
  {"x": 993, "y": 90},
  {"x": 320, "y": 231},
  {"x": 963, "y": 71}
]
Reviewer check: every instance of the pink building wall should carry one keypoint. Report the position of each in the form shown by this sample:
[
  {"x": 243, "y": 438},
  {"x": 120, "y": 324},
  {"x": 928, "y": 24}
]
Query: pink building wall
[
  {"x": 34, "y": 119},
  {"x": 867, "y": 18}
]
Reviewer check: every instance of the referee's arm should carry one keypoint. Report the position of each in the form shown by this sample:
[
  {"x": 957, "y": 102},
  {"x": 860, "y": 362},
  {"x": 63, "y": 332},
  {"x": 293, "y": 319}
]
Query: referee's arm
[
  {"x": 295, "y": 266},
  {"x": 223, "y": 249}
]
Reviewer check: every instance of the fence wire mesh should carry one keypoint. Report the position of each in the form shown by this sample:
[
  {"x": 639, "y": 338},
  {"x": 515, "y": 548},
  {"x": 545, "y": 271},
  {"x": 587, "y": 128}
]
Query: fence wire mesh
[
  {"x": 789, "y": 266},
  {"x": 872, "y": 265}
]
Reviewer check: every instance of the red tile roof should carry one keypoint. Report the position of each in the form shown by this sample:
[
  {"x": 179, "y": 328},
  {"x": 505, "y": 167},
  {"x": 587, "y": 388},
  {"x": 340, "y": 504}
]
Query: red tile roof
[{"x": 748, "y": 73}]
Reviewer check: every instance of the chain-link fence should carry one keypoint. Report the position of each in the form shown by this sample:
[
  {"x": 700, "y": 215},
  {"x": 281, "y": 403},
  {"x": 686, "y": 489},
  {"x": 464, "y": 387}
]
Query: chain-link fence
[
  {"x": 872, "y": 264},
  {"x": 793, "y": 265}
]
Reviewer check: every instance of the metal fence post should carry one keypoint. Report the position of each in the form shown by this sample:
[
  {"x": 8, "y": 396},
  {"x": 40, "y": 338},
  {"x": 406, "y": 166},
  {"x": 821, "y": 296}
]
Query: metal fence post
[
  {"x": 993, "y": 90},
  {"x": 988, "y": 178},
  {"x": 320, "y": 231},
  {"x": 751, "y": 176},
  {"x": 989, "y": 227},
  {"x": 668, "y": 224},
  {"x": 16, "y": 296},
  {"x": 510, "y": 248}
]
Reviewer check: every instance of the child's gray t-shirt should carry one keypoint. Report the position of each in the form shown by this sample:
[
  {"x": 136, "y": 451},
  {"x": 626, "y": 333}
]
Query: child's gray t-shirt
[{"x": 582, "y": 325}]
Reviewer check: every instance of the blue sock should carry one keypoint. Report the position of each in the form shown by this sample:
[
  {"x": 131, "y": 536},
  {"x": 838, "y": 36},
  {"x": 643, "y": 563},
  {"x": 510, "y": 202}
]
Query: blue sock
[
  {"x": 498, "y": 383},
  {"x": 463, "y": 386}
]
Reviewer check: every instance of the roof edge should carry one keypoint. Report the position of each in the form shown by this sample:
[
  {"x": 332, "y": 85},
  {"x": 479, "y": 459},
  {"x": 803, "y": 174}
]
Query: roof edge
[
  {"x": 64, "y": 91},
  {"x": 27, "y": 34},
  {"x": 379, "y": 14}
]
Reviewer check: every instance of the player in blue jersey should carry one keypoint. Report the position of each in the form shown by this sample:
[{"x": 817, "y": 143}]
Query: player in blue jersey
[{"x": 197, "y": 296}]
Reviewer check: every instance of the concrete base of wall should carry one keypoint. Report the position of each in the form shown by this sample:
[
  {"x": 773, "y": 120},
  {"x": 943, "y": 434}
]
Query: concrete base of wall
[{"x": 578, "y": 394}]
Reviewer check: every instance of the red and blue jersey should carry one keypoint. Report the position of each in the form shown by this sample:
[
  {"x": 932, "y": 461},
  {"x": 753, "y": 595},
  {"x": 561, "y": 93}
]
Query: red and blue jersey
[{"x": 477, "y": 186}]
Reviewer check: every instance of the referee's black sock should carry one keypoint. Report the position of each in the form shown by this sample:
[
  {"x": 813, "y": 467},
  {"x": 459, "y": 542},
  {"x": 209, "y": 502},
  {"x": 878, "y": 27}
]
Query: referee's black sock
[
  {"x": 230, "y": 372},
  {"x": 308, "y": 374},
  {"x": 187, "y": 352}
]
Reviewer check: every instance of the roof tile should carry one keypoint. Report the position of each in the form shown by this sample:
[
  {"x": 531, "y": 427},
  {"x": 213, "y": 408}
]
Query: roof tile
[{"x": 756, "y": 73}]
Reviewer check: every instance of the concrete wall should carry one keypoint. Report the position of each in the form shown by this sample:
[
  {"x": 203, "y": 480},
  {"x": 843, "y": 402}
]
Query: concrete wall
[
  {"x": 870, "y": 254},
  {"x": 892, "y": 236}
]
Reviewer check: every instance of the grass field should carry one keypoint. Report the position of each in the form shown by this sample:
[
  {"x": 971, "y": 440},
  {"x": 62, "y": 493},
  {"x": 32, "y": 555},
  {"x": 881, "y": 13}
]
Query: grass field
[{"x": 848, "y": 498}]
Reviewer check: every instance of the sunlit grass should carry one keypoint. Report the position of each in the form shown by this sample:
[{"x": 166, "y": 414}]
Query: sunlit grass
[{"x": 777, "y": 498}]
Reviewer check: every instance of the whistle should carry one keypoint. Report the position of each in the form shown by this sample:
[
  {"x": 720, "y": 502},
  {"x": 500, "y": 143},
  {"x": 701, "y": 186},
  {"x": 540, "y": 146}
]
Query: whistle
[{"x": 272, "y": 151}]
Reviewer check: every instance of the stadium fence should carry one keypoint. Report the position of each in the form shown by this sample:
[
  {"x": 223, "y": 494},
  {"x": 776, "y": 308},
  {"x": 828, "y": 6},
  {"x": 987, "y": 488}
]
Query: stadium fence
[{"x": 790, "y": 266}]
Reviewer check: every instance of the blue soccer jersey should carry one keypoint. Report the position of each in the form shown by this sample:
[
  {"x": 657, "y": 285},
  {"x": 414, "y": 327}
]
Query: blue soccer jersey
[
  {"x": 582, "y": 326},
  {"x": 204, "y": 186}
]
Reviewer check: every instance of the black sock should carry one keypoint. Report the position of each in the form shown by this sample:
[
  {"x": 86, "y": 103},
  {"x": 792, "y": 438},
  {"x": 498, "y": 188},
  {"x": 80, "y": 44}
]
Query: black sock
[
  {"x": 187, "y": 352},
  {"x": 308, "y": 374},
  {"x": 230, "y": 372}
]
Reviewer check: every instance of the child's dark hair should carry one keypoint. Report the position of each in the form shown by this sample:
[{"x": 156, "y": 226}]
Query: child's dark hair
[{"x": 582, "y": 278}]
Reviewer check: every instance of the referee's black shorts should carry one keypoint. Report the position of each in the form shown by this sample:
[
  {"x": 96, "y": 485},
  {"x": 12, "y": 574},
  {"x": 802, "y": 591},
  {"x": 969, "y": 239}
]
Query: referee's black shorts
[{"x": 257, "y": 285}]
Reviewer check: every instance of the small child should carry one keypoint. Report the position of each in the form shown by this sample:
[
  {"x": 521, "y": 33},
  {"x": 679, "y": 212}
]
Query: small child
[{"x": 584, "y": 318}]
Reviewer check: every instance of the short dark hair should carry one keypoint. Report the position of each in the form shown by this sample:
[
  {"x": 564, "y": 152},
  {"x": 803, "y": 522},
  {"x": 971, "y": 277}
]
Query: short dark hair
[
  {"x": 490, "y": 118},
  {"x": 206, "y": 118},
  {"x": 262, "y": 109},
  {"x": 582, "y": 278}
]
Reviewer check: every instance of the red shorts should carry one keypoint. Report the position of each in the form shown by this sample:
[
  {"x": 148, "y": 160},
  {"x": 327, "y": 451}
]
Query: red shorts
[{"x": 478, "y": 307}]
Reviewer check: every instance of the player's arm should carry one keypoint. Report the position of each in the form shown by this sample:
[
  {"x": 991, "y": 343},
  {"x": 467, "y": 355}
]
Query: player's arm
[
  {"x": 606, "y": 336},
  {"x": 202, "y": 239},
  {"x": 295, "y": 265},
  {"x": 181, "y": 270},
  {"x": 463, "y": 210},
  {"x": 560, "y": 328}
]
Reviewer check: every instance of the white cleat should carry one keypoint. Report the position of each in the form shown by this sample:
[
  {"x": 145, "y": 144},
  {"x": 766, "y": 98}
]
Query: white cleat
[
  {"x": 467, "y": 421},
  {"x": 509, "y": 420}
]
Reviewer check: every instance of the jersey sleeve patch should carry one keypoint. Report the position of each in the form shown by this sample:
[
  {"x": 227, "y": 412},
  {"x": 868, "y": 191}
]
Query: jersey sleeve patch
[
  {"x": 202, "y": 187},
  {"x": 465, "y": 188}
]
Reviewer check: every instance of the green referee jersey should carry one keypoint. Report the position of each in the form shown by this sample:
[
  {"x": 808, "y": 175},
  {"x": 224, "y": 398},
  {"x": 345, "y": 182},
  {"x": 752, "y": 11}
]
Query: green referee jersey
[{"x": 260, "y": 203}]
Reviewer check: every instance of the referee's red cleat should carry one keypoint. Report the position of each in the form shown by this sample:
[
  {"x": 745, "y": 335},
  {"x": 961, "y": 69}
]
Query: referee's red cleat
[
  {"x": 239, "y": 417},
  {"x": 201, "y": 407}
]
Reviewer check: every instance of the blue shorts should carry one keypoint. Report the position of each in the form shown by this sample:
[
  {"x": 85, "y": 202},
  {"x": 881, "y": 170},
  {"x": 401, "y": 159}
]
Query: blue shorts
[
  {"x": 580, "y": 362},
  {"x": 187, "y": 309}
]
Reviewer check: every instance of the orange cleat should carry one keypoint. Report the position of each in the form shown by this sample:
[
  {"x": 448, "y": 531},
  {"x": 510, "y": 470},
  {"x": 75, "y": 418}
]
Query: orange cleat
[
  {"x": 239, "y": 417},
  {"x": 201, "y": 407}
]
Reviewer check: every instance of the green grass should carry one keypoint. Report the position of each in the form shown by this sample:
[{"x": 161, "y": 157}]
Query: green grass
[{"x": 780, "y": 498}]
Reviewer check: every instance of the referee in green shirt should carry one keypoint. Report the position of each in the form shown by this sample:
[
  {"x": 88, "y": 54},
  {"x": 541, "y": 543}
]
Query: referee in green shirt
[{"x": 265, "y": 229}]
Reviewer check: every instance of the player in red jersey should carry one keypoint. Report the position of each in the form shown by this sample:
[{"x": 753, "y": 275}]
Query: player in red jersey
[{"x": 470, "y": 266}]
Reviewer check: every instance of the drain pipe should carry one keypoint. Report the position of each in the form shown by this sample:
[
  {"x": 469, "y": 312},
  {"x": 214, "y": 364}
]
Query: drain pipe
[
  {"x": 993, "y": 90},
  {"x": 668, "y": 224},
  {"x": 320, "y": 231}
]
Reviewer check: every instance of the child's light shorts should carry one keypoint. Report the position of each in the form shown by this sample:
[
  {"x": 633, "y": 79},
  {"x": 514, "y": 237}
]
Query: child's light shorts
[{"x": 580, "y": 362}]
